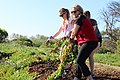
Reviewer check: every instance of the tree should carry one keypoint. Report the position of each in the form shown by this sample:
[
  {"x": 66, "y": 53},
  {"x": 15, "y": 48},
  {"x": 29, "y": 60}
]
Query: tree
[
  {"x": 38, "y": 40},
  {"x": 17, "y": 36},
  {"x": 111, "y": 17},
  {"x": 3, "y": 35}
]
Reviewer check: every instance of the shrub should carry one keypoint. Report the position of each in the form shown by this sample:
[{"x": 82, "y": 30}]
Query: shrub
[
  {"x": 109, "y": 45},
  {"x": 24, "y": 41},
  {"x": 118, "y": 47},
  {"x": 3, "y": 34}
]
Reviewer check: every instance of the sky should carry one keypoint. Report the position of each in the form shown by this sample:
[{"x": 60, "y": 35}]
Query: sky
[{"x": 32, "y": 17}]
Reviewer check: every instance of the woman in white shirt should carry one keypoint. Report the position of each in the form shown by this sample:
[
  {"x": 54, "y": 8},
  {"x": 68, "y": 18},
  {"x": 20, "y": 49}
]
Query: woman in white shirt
[{"x": 65, "y": 26}]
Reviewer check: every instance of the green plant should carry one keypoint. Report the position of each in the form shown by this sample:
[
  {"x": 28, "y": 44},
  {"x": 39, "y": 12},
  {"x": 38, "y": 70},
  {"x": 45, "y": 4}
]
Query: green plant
[
  {"x": 67, "y": 56},
  {"x": 3, "y": 34},
  {"x": 108, "y": 58},
  {"x": 118, "y": 47}
]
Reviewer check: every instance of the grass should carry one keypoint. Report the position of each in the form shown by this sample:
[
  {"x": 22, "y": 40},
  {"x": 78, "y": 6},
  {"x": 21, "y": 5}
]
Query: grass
[{"x": 108, "y": 58}]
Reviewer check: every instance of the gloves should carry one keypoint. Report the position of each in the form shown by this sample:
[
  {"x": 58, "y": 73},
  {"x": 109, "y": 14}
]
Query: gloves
[{"x": 51, "y": 37}]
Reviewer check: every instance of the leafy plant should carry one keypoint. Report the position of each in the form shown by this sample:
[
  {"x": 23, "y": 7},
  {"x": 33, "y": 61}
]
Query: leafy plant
[{"x": 67, "y": 55}]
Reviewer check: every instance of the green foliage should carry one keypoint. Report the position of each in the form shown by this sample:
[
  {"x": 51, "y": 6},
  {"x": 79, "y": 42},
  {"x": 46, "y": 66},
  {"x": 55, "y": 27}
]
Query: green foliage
[
  {"x": 67, "y": 56},
  {"x": 24, "y": 41},
  {"x": 3, "y": 34},
  {"x": 16, "y": 67},
  {"x": 38, "y": 40},
  {"x": 21, "y": 74},
  {"x": 118, "y": 47},
  {"x": 108, "y": 58},
  {"x": 17, "y": 36},
  {"x": 103, "y": 50},
  {"x": 108, "y": 46}
]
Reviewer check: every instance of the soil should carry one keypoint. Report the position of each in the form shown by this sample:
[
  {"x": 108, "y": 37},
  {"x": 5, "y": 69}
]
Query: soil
[{"x": 102, "y": 71}]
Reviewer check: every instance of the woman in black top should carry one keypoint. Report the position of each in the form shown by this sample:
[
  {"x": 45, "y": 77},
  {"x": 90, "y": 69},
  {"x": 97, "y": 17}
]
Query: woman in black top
[{"x": 99, "y": 36}]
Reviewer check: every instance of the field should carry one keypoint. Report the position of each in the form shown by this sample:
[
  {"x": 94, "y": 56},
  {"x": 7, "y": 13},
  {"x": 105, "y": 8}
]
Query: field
[
  {"x": 102, "y": 71},
  {"x": 18, "y": 62}
]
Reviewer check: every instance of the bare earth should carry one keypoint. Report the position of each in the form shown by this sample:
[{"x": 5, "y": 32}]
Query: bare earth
[
  {"x": 107, "y": 71},
  {"x": 102, "y": 71}
]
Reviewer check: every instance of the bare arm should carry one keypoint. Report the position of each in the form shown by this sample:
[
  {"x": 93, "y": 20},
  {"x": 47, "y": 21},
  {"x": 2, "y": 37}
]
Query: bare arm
[
  {"x": 74, "y": 31},
  {"x": 58, "y": 32},
  {"x": 94, "y": 27}
]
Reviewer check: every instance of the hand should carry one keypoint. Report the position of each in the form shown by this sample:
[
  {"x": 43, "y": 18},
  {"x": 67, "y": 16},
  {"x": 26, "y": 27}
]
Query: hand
[
  {"x": 51, "y": 37},
  {"x": 70, "y": 40},
  {"x": 73, "y": 41}
]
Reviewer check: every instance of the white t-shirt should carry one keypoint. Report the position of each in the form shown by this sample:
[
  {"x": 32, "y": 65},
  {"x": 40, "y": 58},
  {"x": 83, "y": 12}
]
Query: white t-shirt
[{"x": 66, "y": 27}]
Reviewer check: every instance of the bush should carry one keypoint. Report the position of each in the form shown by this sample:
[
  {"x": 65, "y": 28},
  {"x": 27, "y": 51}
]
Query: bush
[
  {"x": 118, "y": 47},
  {"x": 3, "y": 34},
  {"x": 102, "y": 50},
  {"x": 108, "y": 45},
  {"x": 24, "y": 41}
]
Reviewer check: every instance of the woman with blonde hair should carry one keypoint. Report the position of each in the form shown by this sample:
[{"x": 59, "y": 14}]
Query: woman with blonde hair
[
  {"x": 86, "y": 38},
  {"x": 99, "y": 36}
]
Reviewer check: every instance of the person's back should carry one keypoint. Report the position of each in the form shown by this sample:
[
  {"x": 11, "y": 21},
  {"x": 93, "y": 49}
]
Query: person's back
[
  {"x": 94, "y": 24},
  {"x": 99, "y": 37},
  {"x": 97, "y": 32}
]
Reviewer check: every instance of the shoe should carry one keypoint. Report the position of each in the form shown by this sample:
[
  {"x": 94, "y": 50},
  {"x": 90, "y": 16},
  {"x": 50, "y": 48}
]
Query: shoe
[
  {"x": 75, "y": 78},
  {"x": 89, "y": 78}
]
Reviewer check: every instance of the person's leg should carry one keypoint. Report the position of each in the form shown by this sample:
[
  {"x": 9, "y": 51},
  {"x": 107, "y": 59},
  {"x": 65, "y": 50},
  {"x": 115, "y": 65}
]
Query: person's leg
[
  {"x": 78, "y": 72},
  {"x": 91, "y": 59},
  {"x": 91, "y": 63},
  {"x": 84, "y": 53}
]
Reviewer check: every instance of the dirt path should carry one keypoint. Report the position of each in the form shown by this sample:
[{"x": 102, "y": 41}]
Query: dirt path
[
  {"x": 107, "y": 71},
  {"x": 102, "y": 71}
]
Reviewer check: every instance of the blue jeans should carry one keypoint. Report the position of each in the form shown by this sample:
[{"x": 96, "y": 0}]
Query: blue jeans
[{"x": 83, "y": 54}]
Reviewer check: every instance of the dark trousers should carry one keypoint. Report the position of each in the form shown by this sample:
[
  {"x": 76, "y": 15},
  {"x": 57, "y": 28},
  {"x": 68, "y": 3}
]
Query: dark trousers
[{"x": 83, "y": 54}]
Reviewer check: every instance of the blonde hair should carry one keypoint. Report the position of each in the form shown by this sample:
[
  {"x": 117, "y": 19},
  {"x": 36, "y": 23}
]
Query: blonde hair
[{"x": 79, "y": 8}]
